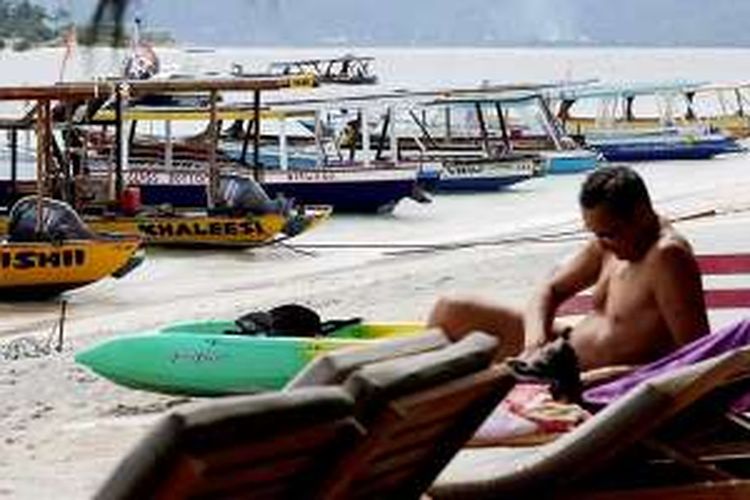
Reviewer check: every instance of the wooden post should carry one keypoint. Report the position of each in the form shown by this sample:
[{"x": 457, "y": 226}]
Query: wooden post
[
  {"x": 283, "y": 150},
  {"x": 246, "y": 141},
  {"x": 448, "y": 131},
  {"x": 213, "y": 169},
  {"x": 383, "y": 133},
  {"x": 550, "y": 124},
  {"x": 13, "y": 163},
  {"x": 364, "y": 130},
  {"x": 40, "y": 160},
  {"x": 321, "y": 154},
  {"x": 256, "y": 137},
  {"x": 503, "y": 126},
  {"x": 392, "y": 116},
  {"x": 168, "y": 149},
  {"x": 482, "y": 127},
  {"x": 118, "y": 144}
]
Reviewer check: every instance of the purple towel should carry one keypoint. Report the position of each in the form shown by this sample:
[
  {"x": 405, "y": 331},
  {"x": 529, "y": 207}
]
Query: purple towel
[{"x": 724, "y": 340}]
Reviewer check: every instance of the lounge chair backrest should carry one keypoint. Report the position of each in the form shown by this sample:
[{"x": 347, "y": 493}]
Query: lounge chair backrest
[
  {"x": 716, "y": 298},
  {"x": 418, "y": 411},
  {"x": 267, "y": 446},
  {"x": 335, "y": 366},
  {"x": 580, "y": 453}
]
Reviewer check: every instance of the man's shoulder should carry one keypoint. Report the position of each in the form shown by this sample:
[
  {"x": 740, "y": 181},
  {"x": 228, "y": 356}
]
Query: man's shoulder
[{"x": 672, "y": 249}]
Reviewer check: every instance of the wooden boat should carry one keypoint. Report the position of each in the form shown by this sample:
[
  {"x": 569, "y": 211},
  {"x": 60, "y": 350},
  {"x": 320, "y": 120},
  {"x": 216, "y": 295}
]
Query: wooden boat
[
  {"x": 721, "y": 107},
  {"x": 64, "y": 256},
  {"x": 175, "y": 172},
  {"x": 662, "y": 144},
  {"x": 621, "y": 134},
  {"x": 348, "y": 69},
  {"x": 200, "y": 359},
  {"x": 505, "y": 126},
  {"x": 462, "y": 174},
  {"x": 201, "y": 230},
  {"x": 217, "y": 224}
]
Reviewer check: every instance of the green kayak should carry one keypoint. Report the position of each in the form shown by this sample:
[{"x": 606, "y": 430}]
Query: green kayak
[{"x": 200, "y": 359}]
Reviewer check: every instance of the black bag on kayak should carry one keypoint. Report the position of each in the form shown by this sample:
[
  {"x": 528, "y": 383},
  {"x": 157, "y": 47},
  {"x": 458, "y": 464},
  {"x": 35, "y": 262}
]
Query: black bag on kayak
[
  {"x": 288, "y": 320},
  {"x": 291, "y": 320}
]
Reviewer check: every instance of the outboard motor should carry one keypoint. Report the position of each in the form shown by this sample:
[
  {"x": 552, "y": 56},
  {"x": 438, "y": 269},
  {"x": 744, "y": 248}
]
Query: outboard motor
[
  {"x": 242, "y": 195},
  {"x": 59, "y": 221}
]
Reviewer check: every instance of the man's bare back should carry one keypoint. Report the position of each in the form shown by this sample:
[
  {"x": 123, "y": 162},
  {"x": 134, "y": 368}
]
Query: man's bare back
[{"x": 647, "y": 291}]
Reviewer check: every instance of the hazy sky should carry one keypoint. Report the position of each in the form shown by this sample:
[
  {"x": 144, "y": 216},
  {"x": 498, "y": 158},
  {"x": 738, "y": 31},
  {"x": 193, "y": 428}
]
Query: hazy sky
[{"x": 405, "y": 22}]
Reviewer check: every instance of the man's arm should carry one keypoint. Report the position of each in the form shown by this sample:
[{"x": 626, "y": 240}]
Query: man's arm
[
  {"x": 679, "y": 293},
  {"x": 574, "y": 275}
]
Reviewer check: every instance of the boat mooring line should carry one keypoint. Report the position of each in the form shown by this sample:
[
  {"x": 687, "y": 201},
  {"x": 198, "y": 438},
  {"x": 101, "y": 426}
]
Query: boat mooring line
[{"x": 539, "y": 238}]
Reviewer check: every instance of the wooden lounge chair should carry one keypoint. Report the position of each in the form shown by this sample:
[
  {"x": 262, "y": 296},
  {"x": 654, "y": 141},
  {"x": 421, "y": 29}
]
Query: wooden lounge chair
[
  {"x": 418, "y": 411},
  {"x": 388, "y": 429},
  {"x": 335, "y": 366},
  {"x": 265, "y": 446},
  {"x": 644, "y": 431}
]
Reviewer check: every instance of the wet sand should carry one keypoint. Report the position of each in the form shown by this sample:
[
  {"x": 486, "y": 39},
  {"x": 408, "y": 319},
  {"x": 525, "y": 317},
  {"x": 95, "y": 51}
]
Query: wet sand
[{"x": 64, "y": 428}]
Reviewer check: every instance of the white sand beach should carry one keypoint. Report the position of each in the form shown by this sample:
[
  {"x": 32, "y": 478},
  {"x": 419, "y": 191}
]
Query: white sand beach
[{"x": 64, "y": 428}]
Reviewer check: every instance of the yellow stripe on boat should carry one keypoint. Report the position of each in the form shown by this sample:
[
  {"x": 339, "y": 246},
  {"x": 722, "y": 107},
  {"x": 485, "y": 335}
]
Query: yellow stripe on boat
[
  {"x": 206, "y": 230},
  {"x": 74, "y": 263},
  {"x": 195, "y": 230}
]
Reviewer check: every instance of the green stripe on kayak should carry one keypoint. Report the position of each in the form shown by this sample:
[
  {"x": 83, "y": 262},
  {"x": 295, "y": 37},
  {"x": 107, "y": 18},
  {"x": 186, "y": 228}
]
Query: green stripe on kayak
[{"x": 198, "y": 359}]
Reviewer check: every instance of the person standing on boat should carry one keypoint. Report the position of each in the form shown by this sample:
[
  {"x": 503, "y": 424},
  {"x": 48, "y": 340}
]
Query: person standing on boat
[
  {"x": 83, "y": 188},
  {"x": 647, "y": 290}
]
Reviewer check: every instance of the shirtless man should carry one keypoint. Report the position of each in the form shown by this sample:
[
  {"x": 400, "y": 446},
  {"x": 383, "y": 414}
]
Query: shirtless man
[{"x": 647, "y": 295}]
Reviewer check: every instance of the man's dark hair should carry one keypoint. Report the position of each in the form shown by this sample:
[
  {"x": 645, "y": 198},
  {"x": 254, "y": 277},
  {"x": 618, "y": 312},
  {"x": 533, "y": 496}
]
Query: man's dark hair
[{"x": 620, "y": 189}]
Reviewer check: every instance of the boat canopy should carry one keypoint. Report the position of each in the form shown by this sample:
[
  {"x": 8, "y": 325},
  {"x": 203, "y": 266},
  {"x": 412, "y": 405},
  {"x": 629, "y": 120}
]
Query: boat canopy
[{"x": 58, "y": 221}]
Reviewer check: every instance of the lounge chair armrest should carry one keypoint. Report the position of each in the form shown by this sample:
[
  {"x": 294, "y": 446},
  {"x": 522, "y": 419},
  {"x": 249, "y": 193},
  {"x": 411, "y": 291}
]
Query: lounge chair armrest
[{"x": 605, "y": 374}]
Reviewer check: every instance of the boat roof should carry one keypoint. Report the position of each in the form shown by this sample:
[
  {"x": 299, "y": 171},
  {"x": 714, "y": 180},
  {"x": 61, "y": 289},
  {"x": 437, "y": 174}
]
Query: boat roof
[
  {"x": 718, "y": 86},
  {"x": 497, "y": 91},
  {"x": 621, "y": 89},
  {"x": 104, "y": 88}
]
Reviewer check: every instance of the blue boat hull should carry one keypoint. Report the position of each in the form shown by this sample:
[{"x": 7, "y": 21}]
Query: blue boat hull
[
  {"x": 474, "y": 185},
  {"x": 571, "y": 165},
  {"x": 377, "y": 196},
  {"x": 656, "y": 151}
]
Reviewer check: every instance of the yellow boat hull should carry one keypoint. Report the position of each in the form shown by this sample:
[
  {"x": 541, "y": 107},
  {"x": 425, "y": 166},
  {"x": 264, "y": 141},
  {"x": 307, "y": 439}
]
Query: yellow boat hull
[
  {"x": 37, "y": 269},
  {"x": 207, "y": 230}
]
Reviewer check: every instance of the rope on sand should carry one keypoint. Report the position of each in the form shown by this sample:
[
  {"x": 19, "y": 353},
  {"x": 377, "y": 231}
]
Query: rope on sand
[
  {"x": 553, "y": 237},
  {"x": 34, "y": 347}
]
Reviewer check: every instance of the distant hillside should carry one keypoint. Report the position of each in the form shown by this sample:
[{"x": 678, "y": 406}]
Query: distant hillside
[
  {"x": 24, "y": 24},
  {"x": 445, "y": 22}
]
